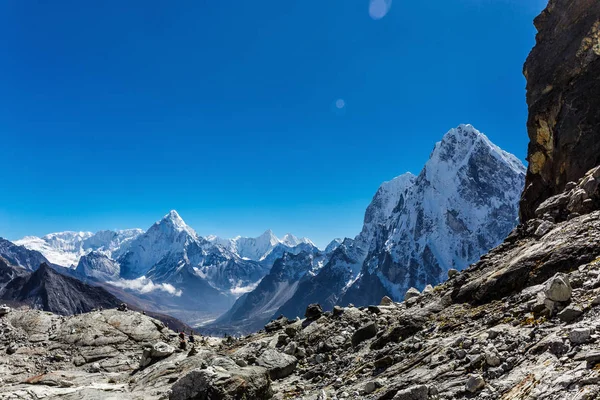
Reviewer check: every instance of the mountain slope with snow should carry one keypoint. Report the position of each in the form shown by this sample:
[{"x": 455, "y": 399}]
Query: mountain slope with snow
[
  {"x": 463, "y": 203},
  {"x": 258, "y": 248},
  {"x": 66, "y": 248}
]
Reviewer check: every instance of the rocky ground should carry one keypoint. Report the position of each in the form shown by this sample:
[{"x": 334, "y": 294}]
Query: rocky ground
[{"x": 538, "y": 341}]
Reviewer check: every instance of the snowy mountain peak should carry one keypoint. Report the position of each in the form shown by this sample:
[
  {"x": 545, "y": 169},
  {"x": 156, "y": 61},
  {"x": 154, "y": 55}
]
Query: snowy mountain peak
[
  {"x": 172, "y": 221},
  {"x": 459, "y": 143},
  {"x": 292, "y": 241}
]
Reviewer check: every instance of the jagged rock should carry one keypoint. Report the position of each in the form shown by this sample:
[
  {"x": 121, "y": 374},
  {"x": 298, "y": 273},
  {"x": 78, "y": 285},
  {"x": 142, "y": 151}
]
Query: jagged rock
[
  {"x": 363, "y": 333},
  {"x": 428, "y": 289},
  {"x": 420, "y": 392},
  {"x": 313, "y": 311},
  {"x": 558, "y": 288},
  {"x": 386, "y": 301},
  {"x": 475, "y": 383},
  {"x": 155, "y": 352},
  {"x": 230, "y": 383},
  {"x": 278, "y": 364},
  {"x": 562, "y": 89},
  {"x": 452, "y": 273},
  {"x": 570, "y": 313},
  {"x": 411, "y": 293}
]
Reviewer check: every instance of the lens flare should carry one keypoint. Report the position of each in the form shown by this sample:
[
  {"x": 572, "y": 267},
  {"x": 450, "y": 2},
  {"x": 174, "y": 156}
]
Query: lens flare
[{"x": 379, "y": 8}]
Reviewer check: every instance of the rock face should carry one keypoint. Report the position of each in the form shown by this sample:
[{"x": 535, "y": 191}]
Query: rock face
[
  {"x": 563, "y": 94},
  {"x": 48, "y": 290}
]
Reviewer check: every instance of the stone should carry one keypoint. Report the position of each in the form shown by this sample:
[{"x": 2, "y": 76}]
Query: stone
[
  {"x": 452, "y": 273},
  {"x": 155, "y": 352},
  {"x": 4, "y": 309},
  {"x": 570, "y": 313},
  {"x": 313, "y": 311},
  {"x": 279, "y": 365},
  {"x": 398, "y": 332},
  {"x": 384, "y": 362},
  {"x": 558, "y": 288},
  {"x": 580, "y": 335},
  {"x": 411, "y": 293},
  {"x": 492, "y": 359},
  {"x": 337, "y": 311},
  {"x": 371, "y": 386},
  {"x": 228, "y": 383},
  {"x": 386, "y": 301},
  {"x": 276, "y": 325},
  {"x": 374, "y": 309},
  {"x": 592, "y": 358},
  {"x": 363, "y": 333},
  {"x": 290, "y": 348},
  {"x": 474, "y": 383},
  {"x": 428, "y": 289},
  {"x": 419, "y": 392}
]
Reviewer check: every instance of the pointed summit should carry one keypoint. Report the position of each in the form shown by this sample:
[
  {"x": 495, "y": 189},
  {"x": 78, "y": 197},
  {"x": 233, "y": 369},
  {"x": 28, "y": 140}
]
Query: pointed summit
[{"x": 174, "y": 221}]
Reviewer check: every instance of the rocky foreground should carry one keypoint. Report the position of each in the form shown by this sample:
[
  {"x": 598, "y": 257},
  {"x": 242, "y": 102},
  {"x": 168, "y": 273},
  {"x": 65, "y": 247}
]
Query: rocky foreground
[{"x": 537, "y": 340}]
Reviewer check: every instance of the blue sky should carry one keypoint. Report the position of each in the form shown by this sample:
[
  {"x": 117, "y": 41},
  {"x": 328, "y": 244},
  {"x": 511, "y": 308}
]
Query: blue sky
[{"x": 112, "y": 113}]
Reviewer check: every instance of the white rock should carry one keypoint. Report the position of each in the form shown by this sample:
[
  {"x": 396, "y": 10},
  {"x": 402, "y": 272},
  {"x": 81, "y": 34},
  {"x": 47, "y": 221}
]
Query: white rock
[
  {"x": 411, "y": 293},
  {"x": 558, "y": 288}
]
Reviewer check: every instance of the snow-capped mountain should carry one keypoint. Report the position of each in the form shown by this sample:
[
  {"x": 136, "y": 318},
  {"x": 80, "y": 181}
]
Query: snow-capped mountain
[
  {"x": 171, "y": 245},
  {"x": 463, "y": 203},
  {"x": 66, "y": 248},
  {"x": 258, "y": 248}
]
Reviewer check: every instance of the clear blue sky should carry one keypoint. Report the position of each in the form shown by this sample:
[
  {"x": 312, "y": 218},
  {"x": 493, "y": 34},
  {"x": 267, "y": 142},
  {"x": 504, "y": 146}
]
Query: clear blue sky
[{"x": 114, "y": 112}]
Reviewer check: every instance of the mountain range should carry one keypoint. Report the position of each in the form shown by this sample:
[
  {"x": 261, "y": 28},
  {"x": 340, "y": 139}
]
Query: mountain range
[
  {"x": 463, "y": 203},
  {"x": 417, "y": 227}
]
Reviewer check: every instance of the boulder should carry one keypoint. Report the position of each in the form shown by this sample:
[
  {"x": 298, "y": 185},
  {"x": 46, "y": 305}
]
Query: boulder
[
  {"x": 452, "y": 273},
  {"x": 558, "y": 288},
  {"x": 277, "y": 324},
  {"x": 420, "y": 392},
  {"x": 155, "y": 352},
  {"x": 580, "y": 335},
  {"x": 337, "y": 311},
  {"x": 474, "y": 383},
  {"x": 229, "y": 383},
  {"x": 4, "y": 309},
  {"x": 570, "y": 313},
  {"x": 411, "y": 293},
  {"x": 313, "y": 311},
  {"x": 279, "y": 365},
  {"x": 386, "y": 301},
  {"x": 363, "y": 333}
]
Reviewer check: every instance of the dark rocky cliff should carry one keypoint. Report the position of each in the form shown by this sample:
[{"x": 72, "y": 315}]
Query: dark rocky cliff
[{"x": 563, "y": 94}]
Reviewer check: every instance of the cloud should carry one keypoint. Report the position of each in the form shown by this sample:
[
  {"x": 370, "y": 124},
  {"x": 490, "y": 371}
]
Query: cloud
[
  {"x": 379, "y": 8},
  {"x": 239, "y": 290},
  {"x": 144, "y": 285}
]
